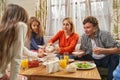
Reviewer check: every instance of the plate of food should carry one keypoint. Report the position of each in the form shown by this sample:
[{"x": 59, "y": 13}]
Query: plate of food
[
  {"x": 76, "y": 53},
  {"x": 84, "y": 65}
]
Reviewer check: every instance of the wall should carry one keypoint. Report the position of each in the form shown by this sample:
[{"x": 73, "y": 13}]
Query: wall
[{"x": 29, "y": 5}]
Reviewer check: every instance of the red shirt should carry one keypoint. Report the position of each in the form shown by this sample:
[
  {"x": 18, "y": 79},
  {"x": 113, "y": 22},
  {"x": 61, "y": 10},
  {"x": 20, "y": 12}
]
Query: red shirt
[{"x": 66, "y": 44}]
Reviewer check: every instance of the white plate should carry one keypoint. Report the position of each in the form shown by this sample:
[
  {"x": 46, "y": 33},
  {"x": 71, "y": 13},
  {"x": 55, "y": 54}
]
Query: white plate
[
  {"x": 92, "y": 65},
  {"x": 71, "y": 60},
  {"x": 42, "y": 59},
  {"x": 47, "y": 57},
  {"x": 50, "y": 60},
  {"x": 77, "y": 53},
  {"x": 41, "y": 46},
  {"x": 52, "y": 55}
]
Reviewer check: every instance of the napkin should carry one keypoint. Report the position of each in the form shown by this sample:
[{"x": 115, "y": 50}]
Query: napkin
[{"x": 52, "y": 66}]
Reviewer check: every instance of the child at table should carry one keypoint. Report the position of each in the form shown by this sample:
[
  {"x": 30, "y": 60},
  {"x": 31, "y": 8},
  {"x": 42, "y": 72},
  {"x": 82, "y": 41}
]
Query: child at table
[
  {"x": 35, "y": 34},
  {"x": 13, "y": 30}
]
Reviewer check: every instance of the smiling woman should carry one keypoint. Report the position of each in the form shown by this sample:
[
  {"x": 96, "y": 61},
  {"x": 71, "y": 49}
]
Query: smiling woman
[{"x": 67, "y": 37}]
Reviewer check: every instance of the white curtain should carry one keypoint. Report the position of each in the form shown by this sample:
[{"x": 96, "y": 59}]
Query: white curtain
[
  {"x": 101, "y": 10},
  {"x": 78, "y": 10},
  {"x": 56, "y": 13}
]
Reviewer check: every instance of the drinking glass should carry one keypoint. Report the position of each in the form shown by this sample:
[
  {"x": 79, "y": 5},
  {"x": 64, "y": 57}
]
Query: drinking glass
[
  {"x": 63, "y": 62},
  {"x": 66, "y": 56},
  {"x": 24, "y": 63}
]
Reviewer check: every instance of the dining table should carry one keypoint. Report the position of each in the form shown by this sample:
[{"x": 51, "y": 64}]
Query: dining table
[{"x": 40, "y": 73}]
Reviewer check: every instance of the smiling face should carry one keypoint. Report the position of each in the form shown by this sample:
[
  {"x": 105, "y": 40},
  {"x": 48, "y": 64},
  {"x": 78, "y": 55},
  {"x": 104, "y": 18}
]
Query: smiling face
[
  {"x": 35, "y": 26},
  {"x": 66, "y": 26},
  {"x": 90, "y": 26},
  {"x": 89, "y": 29}
]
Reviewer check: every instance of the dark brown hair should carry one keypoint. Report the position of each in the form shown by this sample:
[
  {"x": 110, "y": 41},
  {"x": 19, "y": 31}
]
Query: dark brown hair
[{"x": 91, "y": 19}]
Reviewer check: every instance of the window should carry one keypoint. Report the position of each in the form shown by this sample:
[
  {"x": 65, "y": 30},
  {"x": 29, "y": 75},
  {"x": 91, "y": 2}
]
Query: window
[{"x": 78, "y": 10}]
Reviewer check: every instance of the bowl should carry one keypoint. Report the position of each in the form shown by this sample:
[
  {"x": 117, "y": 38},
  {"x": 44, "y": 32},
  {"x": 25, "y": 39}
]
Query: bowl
[
  {"x": 49, "y": 49},
  {"x": 71, "y": 68},
  {"x": 77, "y": 53}
]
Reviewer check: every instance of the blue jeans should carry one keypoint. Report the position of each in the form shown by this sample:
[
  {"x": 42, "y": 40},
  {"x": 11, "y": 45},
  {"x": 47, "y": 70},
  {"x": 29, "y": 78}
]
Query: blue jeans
[
  {"x": 110, "y": 62},
  {"x": 116, "y": 73},
  {"x": 70, "y": 56}
]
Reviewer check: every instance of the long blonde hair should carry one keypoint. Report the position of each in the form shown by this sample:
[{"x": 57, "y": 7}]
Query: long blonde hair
[{"x": 9, "y": 31}]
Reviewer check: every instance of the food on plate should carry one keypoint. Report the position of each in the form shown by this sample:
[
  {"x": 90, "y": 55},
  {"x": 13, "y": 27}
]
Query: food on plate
[
  {"x": 83, "y": 65},
  {"x": 49, "y": 49},
  {"x": 71, "y": 68}
]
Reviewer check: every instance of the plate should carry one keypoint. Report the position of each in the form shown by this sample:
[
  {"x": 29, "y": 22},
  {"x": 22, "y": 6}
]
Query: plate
[
  {"x": 77, "y": 53},
  {"x": 41, "y": 46},
  {"x": 84, "y": 65},
  {"x": 42, "y": 59},
  {"x": 50, "y": 61},
  {"x": 71, "y": 60}
]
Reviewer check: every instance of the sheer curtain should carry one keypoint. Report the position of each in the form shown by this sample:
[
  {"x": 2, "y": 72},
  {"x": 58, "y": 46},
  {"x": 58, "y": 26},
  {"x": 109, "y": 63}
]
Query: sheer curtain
[
  {"x": 56, "y": 13},
  {"x": 78, "y": 10},
  {"x": 115, "y": 24},
  {"x": 101, "y": 10}
]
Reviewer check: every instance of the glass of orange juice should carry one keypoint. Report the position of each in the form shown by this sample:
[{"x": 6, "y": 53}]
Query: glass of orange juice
[
  {"x": 66, "y": 56},
  {"x": 24, "y": 63},
  {"x": 63, "y": 63}
]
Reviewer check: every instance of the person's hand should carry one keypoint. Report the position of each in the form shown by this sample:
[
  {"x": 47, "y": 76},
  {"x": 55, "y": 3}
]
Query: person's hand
[
  {"x": 40, "y": 55},
  {"x": 98, "y": 50},
  {"x": 80, "y": 55},
  {"x": 57, "y": 49},
  {"x": 49, "y": 44},
  {"x": 40, "y": 50}
]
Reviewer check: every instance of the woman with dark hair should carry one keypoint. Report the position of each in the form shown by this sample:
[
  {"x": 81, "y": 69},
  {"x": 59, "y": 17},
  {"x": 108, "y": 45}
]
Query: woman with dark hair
[{"x": 13, "y": 30}]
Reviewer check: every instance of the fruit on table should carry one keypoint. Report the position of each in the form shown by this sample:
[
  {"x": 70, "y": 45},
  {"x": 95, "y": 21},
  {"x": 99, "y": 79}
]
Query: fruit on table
[{"x": 33, "y": 63}]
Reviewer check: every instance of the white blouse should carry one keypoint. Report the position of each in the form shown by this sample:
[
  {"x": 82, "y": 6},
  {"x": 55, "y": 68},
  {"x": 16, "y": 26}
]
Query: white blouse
[{"x": 16, "y": 50}]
